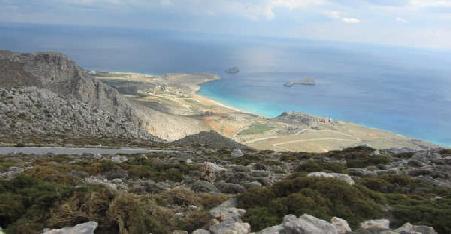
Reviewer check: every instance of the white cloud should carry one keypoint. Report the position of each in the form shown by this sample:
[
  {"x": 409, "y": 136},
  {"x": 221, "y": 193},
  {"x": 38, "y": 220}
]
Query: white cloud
[
  {"x": 295, "y": 4},
  {"x": 430, "y": 3},
  {"x": 340, "y": 16},
  {"x": 401, "y": 20},
  {"x": 350, "y": 20}
]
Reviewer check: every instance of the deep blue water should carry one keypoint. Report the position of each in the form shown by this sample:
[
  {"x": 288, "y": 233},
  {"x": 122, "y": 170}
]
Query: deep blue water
[{"x": 404, "y": 90}]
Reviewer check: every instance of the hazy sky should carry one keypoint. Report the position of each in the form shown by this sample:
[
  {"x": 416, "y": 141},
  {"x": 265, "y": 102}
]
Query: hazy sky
[{"x": 422, "y": 23}]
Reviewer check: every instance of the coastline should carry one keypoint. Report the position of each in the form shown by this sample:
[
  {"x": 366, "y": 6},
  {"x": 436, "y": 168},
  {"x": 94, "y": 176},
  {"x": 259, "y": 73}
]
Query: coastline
[
  {"x": 230, "y": 106},
  {"x": 184, "y": 110},
  {"x": 199, "y": 95}
]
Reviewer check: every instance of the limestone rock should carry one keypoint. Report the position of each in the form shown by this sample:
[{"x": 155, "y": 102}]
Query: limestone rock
[
  {"x": 179, "y": 232},
  {"x": 343, "y": 177},
  {"x": 305, "y": 224},
  {"x": 84, "y": 228},
  {"x": 377, "y": 224},
  {"x": 228, "y": 219},
  {"x": 237, "y": 153},
  {"x": 408, "y": 228},
  {"x": 201, "y": 231},
  {"x": 119, "y": 159},
  {"x": 47, "y": 93},
  {"x": 210, "y": 170},
  {"x": 341, "y": 225}
]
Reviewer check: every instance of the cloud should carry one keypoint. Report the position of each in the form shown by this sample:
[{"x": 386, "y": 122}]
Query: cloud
[
  {"x": 401, "y": 20},
  {"x": 340, "y": 16},
  {"x": 430, "y": 3},
  {"x": 350, "y": 20}
]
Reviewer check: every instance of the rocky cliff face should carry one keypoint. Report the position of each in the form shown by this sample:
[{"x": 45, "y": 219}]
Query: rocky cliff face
[
  {"x": 35, "y": 111},
  {"x": 71, "y": 85}
]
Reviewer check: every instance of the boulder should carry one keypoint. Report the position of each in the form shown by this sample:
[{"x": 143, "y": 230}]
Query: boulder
[
  {"x": 230, "y": 227},
  {"x": 343, "y": 177},
  {"x": 210, "y": 170},
  {"x": 201, "y": 231},
  {"x": 84, "y": 228},
  {"x": 341, "y": 225},
  {"x": 377, "y": 224},
  {"x": 305, "y": 224},
  {"x": 237, "y": 153},
  {"x": 408, "y": 228},
  {"x": 272, "y": 230},
  {"x": 119, "y": 159},
  {"x": 227, "y": 219},
  {"x": 179, "y": 232}
]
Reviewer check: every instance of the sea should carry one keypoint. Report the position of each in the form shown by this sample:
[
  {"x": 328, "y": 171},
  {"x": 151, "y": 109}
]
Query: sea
[{"x": 400, "y": 89}]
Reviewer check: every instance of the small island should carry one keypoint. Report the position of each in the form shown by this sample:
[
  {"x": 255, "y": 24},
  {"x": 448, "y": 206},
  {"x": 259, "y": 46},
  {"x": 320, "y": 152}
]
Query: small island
[
  {"x": 232, "y": 70},
  {"x": 305, "y": 81}
]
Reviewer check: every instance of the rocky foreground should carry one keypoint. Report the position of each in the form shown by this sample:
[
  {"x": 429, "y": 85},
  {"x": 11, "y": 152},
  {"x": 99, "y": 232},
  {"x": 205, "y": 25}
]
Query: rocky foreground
[{"x": 203, "y": 189}]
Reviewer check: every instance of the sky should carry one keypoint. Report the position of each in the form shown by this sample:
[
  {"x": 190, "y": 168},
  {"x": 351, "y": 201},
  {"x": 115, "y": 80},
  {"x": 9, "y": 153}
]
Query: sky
[{"x": 416, "y": 23}]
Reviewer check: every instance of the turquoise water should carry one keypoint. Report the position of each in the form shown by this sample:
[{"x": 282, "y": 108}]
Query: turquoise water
[{"x": 403, "y": 90}]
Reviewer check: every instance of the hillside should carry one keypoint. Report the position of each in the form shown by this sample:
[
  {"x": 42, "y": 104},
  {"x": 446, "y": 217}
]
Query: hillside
[{"x": 65, "y": 99}]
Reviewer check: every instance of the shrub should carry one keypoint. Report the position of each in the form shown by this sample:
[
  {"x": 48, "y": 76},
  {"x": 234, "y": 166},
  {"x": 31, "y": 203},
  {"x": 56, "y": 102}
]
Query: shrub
[
  {"x": 366, "y": 161},
  {"x": 25, "y": 202},
  {"x": 321, "y": 197},
  {"x": 261, "y": 217},
  {"x": 315, "y": 166}
]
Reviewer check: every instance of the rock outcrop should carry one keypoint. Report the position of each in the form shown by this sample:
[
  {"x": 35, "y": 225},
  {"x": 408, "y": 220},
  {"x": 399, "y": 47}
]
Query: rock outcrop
[
  {"x": 66, "y": 99},
  {"x": 227, "y": 219},
  {"x": 84, "y": 228},
  {"x": 305, "y": 224},
  {"x": 34, "y": 111}
]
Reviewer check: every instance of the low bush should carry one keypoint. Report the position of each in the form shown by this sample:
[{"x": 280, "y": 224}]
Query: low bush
[
  {"x": 316, "y": 166},
  {"x": 25, "y": 202},
  {"x": 321, "y": 197}
]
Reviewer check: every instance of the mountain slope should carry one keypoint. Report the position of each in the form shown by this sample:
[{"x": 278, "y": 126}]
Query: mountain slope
[{"x": 57, "y": 74}]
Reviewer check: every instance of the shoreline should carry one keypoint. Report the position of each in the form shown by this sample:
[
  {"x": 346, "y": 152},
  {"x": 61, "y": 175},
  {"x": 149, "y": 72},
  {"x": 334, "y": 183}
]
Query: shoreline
[
  {"x": 217, "y": 102},
  {"x": 181, "y": 109},
  {"x": 212, "y": 99}
]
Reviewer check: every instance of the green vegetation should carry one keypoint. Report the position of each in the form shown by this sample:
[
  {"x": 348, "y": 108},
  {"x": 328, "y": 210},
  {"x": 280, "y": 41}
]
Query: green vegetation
[
  {"x": 6, "y": 163},
  {"x": 256, "y": 128},
  {"x": 360, "y": 157},
  {"x": 414, "y": 201},
  {"x": 407, "y": 200},
  {"x": 315, "y": 166},
  {"x": 320, "y": 197},
  {"x": 25, "y": 201},
  {"x": 158, "y": 170},
  {"x": 28, "y": 205}
]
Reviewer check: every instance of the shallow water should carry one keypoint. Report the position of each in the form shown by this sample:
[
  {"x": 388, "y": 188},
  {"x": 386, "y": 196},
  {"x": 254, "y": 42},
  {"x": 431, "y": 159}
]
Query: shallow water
[{"x": 404, "y": 90}]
